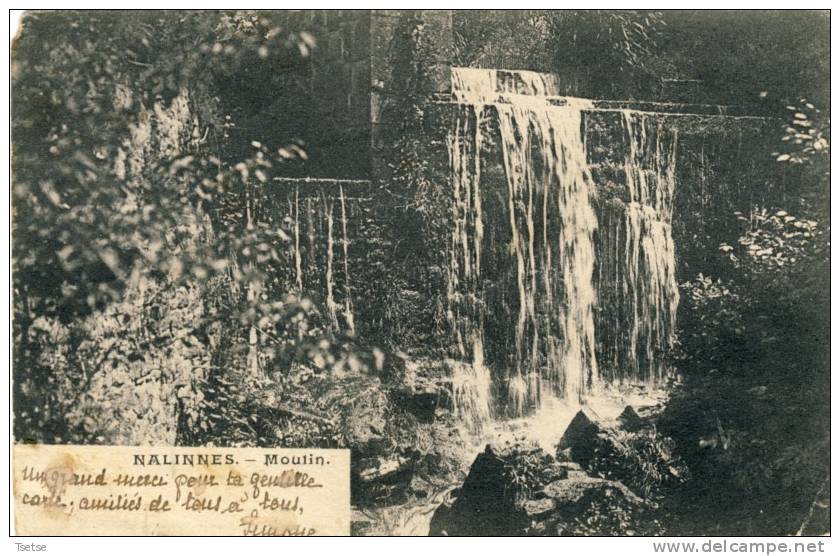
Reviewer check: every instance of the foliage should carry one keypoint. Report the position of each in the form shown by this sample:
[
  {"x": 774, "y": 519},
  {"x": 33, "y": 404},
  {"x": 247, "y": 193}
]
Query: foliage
[
  {"x": 418, "y": 200},
  {"x": 754, "y": 352},
  {"x": 132, "y": 197},
  {"x": 806, "y": 134},
  {"x": 781, "y": 53},
  {"x": 621, "y": 40},
  {"x": 631, "y": 53},
  {"x": 615, "y": 49},
  {"x": 607, "y": 517},
  {"x": 777, "y": 272},
  {"x": 643, "y": 460},
  {"x": 500, "y": 38},
  {"x": 93, "y": 102}
]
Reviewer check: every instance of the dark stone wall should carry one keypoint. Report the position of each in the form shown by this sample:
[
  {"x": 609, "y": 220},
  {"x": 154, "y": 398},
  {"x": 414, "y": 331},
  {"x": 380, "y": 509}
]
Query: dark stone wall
[
  {"x": 359, "y": 72},
  {"x": 723, "y": 165},
  {"x": 319, "y": 217},
  {"x": 351, "y": 84},
  {"x": 340, "y": 86}
]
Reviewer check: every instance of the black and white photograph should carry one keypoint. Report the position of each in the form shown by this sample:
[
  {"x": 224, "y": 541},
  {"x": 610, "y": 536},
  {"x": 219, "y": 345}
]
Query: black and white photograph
[{"x": 421, "y": 272}]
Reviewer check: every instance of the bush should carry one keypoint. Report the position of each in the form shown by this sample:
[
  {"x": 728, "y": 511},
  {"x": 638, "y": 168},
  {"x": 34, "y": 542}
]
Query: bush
[
  {"x": 644, "y": 461},
  {"x": 752, "y": 420},
  {"x": 769, "y": 309}
]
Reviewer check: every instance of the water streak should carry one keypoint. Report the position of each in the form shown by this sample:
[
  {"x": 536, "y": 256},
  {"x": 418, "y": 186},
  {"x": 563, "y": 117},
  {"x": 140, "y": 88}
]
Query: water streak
[
  {"x": 345, "y": 244},
  {"x": 637, "y": 277},
  {"x": 314, "y": 260},
  {"x": 471, "y": 383},
  {"x": 298, "y": 257},
  {"x": 551, "y": 226}
]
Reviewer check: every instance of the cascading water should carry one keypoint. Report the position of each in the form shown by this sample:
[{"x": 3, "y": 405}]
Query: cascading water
[
  {"x": 551, "y": 227},
  {"x": 553, "y": 244},
  {"x": 317, "y": 220},
  {"x": 297, "y": 253},
  {"x": 345, "y": 246},
  {"x": 637, "y": 270},
  {"x": 471, "y": 382},
  {"x": 331, "y": 305}
]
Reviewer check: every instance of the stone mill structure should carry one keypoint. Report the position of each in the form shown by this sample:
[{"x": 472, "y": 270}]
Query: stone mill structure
[{"x": 534, "y": 236}]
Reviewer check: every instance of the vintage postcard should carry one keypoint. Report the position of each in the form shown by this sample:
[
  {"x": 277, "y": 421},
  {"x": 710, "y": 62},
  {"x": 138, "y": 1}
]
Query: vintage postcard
[{"x": 421, "y": 272}]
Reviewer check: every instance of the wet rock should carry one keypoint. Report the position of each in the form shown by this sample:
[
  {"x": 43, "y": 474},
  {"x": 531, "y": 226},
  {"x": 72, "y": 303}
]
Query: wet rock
[
  {"x": 537, "y": 509},
  {"x": 491, "y": 500},
  {"x": 634, "y": 454},
  {"x": 380, "y": 480},
  {"x": 522, "y": 490},
  {"x": 569, "y": 495},
  {"x": 630, "y": 419},
  {"x": 583, "y": 437}
]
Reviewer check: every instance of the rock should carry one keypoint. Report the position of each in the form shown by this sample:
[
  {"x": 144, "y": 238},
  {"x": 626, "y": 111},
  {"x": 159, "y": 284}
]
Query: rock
[
  {"x": 421, "y": 390},
  {"x": 361, "y": 523},
  {"x": 380, "y": 479},
  {"x": 593, "y": 506},
  {"x": 636, "y": 454},
  {"x": 379, "y": 468},
  {"x": 582, "y": 436},
  {"x": 569, "y": 494},
  {"x": 422, "y": 403},
  {"x": 360, "y": 406},
  {"x": 572, "y": 470},
  {"x": 491, "y": 500},
  {"x": 522, "y": 490},
  {"x": 441, "y": 521},
  {"x": 540, "y": 508},
  {"x": 630, "y": 420}
]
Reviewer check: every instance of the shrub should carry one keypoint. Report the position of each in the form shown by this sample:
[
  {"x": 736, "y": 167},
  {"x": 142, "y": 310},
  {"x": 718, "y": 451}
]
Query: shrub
[{"x": 644, "y": 461}]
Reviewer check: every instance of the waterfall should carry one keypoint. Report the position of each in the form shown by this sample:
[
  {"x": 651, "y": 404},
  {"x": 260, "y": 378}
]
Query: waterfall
[
  {"x": 471, "y": 383},
  {"x": 317, "y": 219},
  {"x": 551, "y": 227},
  {"x": 637, "y": 275},
  {"x": 331, "y": 305},
  {"x": 345, "y": 244}
]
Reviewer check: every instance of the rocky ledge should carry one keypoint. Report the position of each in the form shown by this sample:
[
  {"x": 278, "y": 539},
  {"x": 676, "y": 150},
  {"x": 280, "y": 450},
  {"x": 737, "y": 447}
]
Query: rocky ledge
[{"x": 602, "y": 480}]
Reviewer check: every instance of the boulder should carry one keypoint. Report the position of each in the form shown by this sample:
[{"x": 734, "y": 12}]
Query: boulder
[
  {"x": 492, "y": 500},
  {"x": 630, "y": 419},
  {"x": 379, "y": 480},
  {"x": 583, "y": 437},
  {"x": 522, "y": 490},
  {"x": 634, "y": 453},
  {"x": 539, "y": 508},
  {"x": 571, "y": 494},
  {"x": 572, "y": 470},
  {"x": 593, "y": 506}
]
